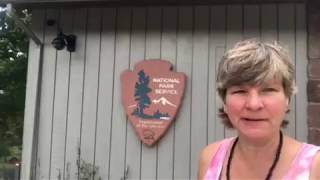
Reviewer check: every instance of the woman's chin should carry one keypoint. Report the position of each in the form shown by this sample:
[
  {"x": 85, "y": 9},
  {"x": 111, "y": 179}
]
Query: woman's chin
[
  {"x": 255, "y": 134},
  {"x": 256, "y": 130}
]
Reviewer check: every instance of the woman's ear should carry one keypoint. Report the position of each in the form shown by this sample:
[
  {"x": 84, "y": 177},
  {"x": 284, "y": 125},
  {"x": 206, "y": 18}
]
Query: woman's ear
[
  {"x": 287, "y": 104},
  {"x": 225, "y": 108}
]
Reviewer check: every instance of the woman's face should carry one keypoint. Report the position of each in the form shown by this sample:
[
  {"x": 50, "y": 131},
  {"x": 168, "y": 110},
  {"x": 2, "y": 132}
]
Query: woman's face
[{"x": 258, "y": 110}]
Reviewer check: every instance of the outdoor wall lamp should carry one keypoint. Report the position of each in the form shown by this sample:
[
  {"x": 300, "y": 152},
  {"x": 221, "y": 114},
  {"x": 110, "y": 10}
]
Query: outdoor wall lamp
[{"x": 63, "y": 40}]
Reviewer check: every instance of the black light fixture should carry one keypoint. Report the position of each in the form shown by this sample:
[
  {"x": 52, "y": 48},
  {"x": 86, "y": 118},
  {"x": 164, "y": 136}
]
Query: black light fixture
[{"x": 63, "y": 40}]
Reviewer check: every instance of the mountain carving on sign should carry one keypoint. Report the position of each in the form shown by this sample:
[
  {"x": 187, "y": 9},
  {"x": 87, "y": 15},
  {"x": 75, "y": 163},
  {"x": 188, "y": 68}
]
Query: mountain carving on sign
[{"x": 163, "y": 101}]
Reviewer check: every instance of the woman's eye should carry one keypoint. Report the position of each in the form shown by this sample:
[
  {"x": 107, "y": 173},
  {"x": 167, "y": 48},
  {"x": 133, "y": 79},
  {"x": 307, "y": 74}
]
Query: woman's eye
[
  {"x": 239, "y": 92},
  {"x": 269, "y": 89}
]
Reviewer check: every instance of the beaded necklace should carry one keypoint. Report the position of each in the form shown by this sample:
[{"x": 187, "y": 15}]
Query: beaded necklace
[{"x": 274, "y": 163}]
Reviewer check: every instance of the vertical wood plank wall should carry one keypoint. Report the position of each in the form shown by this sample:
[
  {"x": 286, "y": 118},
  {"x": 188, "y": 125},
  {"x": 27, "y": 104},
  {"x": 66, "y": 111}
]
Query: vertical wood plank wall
[{"x": 81, "y": 119}]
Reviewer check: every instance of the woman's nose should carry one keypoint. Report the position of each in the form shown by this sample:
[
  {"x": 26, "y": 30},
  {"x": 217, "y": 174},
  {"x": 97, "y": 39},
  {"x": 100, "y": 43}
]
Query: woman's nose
[{"x": 254, "y": 101}]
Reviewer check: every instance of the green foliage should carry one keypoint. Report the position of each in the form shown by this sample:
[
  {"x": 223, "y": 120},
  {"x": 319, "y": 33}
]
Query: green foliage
[
  {"x": 86, "y": 170},
  {"x": 13, "y": 68}
]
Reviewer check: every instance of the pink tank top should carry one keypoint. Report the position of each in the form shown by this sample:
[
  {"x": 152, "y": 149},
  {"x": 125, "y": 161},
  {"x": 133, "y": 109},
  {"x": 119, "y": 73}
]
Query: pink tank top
[{"x": 300, "y": 168}]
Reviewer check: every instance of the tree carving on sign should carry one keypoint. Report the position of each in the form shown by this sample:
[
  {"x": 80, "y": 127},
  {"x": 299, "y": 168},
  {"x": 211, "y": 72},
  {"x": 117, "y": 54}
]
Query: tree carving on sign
[
  {"x": 141, "y": 95},
  {"x": 143, "y": 101}
]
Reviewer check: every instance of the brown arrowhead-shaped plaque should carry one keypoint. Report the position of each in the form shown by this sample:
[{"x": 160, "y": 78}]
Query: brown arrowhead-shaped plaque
[{"x": 151, "y": 96}]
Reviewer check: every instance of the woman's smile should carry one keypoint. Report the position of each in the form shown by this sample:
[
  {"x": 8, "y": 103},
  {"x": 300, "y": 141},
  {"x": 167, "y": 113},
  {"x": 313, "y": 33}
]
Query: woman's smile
[
  {"x": 253, "y": 123},
  {"x": 253, "y": 119}
]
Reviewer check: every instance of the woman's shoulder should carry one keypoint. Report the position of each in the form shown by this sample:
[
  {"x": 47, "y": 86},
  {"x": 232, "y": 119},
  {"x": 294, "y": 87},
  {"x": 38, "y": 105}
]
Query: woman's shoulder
[
  {"x": 206, "y": 156},
  {"x": 210, "y": 150},
  {"x": 315, "y": 168},
  {"x": 307, "y": 159},
  {"x": 311, "y": 156}
]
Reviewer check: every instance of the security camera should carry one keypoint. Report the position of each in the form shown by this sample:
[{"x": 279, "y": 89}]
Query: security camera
[
  {"x": 63, "y": 40},
  {"x": 59, "y": 42}
]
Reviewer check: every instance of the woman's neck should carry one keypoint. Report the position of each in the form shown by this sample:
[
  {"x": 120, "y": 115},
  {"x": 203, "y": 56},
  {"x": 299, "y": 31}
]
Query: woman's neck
[
  {"x": 253, "y": 149},
  {"x": 255, "y": 159}
]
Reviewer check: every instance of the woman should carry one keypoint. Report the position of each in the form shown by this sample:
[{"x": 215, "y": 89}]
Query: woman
[{"x": 255, "y": 81}]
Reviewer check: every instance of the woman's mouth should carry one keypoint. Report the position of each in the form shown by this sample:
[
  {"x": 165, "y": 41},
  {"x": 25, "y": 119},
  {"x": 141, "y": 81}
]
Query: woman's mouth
[{"x": 254, "y": 119}]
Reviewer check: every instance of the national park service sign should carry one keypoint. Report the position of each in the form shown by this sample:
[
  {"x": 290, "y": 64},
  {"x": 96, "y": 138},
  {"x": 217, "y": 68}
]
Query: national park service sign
[{"x": 151, "y": 96}]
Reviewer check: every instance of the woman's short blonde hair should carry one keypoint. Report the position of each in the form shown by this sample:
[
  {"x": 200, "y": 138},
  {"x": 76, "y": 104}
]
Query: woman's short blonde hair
[{"x": 252, "y": 62}]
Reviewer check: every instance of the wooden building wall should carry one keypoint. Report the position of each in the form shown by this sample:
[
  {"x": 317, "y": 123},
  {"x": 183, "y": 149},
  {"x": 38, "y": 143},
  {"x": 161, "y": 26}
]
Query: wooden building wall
[{"x": 80, "y": 116}]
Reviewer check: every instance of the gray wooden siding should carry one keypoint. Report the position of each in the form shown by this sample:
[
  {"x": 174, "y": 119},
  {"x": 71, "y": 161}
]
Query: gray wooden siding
[
  {"x": 32, "y": 100},
  {"x": 80, "y": 111}
]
